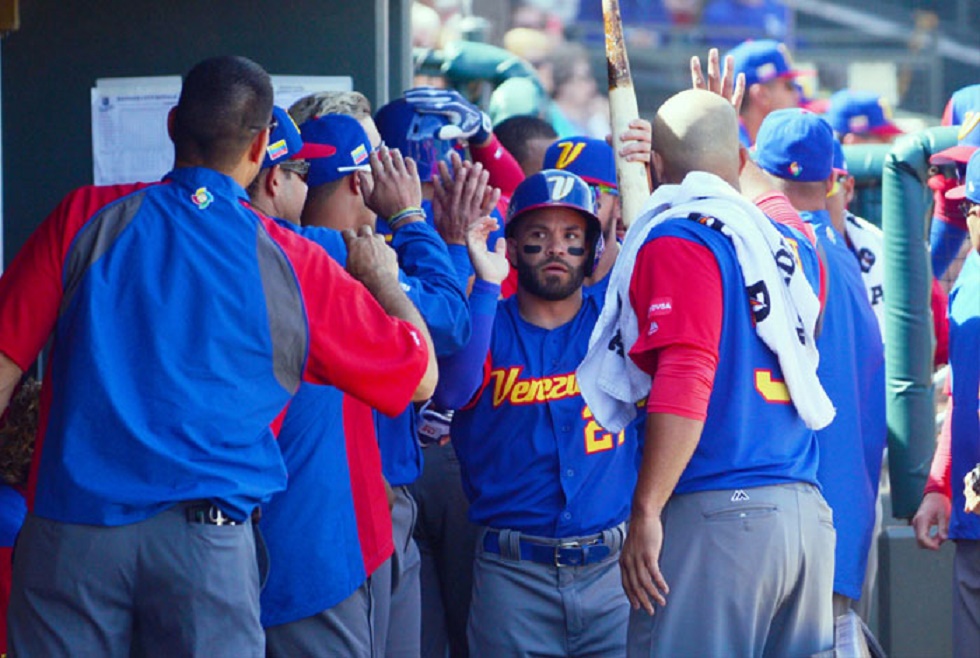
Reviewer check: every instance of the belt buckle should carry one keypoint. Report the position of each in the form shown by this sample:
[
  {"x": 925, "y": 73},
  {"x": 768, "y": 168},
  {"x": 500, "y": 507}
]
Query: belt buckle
[
  {"x": 217, "y": 517},
  {"x": 566, "y": 545}
]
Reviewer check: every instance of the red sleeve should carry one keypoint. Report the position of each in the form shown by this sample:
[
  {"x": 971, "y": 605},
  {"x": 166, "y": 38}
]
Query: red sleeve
[
  {"x": 31, "y": 288},
  {"x": 940, "y": 323},
  {"x": 947, "y": 114},
  {"x": 677, "y": 293},
  {"x": 941, "y": 471},
  {"x": 354, "y": 344},
  {"x": 504, "y": 171},
  {"x": 683, "y": 381},
  {"x": 943, "y": 209},
  {"x": 778, "y": 208}
]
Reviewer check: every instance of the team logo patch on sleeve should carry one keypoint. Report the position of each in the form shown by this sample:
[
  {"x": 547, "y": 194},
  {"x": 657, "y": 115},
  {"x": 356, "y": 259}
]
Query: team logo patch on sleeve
[
  {"x": 202, "y": 198},
  {"x": 660, "y": 306}
]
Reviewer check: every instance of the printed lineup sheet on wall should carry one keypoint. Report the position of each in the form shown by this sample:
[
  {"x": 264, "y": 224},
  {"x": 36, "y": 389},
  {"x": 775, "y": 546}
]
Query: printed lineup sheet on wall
[{"x": 129, "y": 121}]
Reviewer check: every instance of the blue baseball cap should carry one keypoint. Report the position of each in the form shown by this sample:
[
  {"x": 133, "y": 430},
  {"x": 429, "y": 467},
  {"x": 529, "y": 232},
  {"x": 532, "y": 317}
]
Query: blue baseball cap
[
  {"x": 861, "y": 113},
  {"x": 347, "y": 135},
  {"x": 963, "y": 110},
  {"x": 795, "y": 144},
  {"x": 286, "y": 143},
  {"x": 763, "y": 61},
  {"x": 840, "y": 162},
  {"x": 970, "y": 189},
  {"x": 589, "y": 159}
]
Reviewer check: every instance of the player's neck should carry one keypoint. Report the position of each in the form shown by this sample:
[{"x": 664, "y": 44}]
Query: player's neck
[{"x": 545, "y": 313}]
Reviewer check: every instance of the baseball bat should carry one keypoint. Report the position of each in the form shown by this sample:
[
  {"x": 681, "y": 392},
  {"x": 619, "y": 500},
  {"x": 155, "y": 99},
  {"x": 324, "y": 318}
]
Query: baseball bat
[{"x": 634, "y": 187}]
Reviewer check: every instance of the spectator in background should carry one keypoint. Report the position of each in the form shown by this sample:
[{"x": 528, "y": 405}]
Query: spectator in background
[
  {"x": 534, "y": 46},
  {"x": 527, "y": 138},
  {"x": 769, "y": 83},
  {"x": 861, "y": 117},
  {"x": 577, "y": 108},
  {"x": 745, "y": 19}
]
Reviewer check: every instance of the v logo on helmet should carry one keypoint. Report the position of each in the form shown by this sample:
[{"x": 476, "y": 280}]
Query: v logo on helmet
[
  {"x": 560, "y": 186},
  {"x": 569, "y": 153},
  {"x": 970, "y": 121}
]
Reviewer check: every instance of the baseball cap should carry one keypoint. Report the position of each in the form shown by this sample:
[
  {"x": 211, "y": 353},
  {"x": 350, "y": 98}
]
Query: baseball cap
[
  {"x": 796, "y": 145},
  {"x": 840, "y": 162},
  {"x": 763, "y": 61},
  {"x": 589, "y": 159},
  {"x": 963, "y": 111},
  {"x": 970, "y": 189},
  {"x": 286, "y": 143},
  {"x": 861, "y": 113},
  {"x": 352, "y": 144}
]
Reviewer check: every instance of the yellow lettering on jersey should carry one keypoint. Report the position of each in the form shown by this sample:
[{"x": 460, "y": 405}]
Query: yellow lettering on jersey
[
  {"x": 569, "y": 152},
  {"x": 794, "y": 245},
  {"x": 508, "y": 387},
  {"x": 598, "y": 439},
  {"x": 771, "y": 390}
]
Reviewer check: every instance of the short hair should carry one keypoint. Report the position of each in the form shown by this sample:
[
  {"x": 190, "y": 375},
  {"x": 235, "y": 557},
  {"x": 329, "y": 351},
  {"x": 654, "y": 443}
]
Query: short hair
[
  {"x": 18, "y": 431},
  {"x": 351, "y": 103},
  {"x": 515, "y": 132},
  {"x": 224, "y": 102}
]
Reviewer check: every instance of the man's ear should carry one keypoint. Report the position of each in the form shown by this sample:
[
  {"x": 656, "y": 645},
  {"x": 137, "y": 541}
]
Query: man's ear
[
  {"x": 657, "y": 166},
  {"x": 354, "y": 184},
  {"x": 512, "y": 251},
  {"x": 256, "y": 151},
  {"x": 759, "y": 96},
  {"x": 743, "y": 157},
  {"x": 829, "y": 183},
  {"x": 171, "y": 119},
  {"x": 271, "y": 183}
]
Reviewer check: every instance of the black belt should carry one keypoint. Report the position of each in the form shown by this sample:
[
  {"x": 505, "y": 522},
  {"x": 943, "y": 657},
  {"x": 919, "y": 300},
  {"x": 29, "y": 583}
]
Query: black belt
[{"x": 558, "y": 553}]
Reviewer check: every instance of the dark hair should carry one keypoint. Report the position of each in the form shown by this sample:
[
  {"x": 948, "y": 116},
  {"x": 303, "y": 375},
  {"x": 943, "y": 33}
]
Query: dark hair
[
  {"x": 515, "y": 132},
  {"x": 225, "y": 101},
  {"x": 18, "y": 430},
  {"x": 564, "y": 59}
]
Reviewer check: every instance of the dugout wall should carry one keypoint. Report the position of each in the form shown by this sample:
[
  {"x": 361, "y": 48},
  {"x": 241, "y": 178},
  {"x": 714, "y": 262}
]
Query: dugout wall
[{"x": 52, "y": 61}]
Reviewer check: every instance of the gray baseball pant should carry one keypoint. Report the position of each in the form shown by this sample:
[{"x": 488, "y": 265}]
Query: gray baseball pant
[
  {"x": 399, "y": 601},
  {"x": 750, "y": 573},
  {"x": 966, "y": 599}
]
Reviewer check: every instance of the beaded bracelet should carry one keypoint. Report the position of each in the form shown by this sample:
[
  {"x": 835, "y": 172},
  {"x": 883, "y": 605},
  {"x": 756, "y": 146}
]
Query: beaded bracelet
[{"x": 403, "y": 215}]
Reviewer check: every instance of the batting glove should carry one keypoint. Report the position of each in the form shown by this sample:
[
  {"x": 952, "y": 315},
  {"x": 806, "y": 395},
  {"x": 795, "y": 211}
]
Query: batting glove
[
  {"x": 433, "y": 424},
  {"x": 466, "y": 120}
]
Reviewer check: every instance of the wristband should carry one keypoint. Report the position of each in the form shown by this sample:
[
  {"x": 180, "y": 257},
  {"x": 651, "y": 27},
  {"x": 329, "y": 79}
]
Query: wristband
[{"x": 401, "y": 216}]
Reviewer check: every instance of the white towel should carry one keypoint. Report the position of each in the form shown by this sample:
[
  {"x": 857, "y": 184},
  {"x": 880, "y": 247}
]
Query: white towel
[
  {"x": 612, "y": 384},
  {"x": 869, "y": 245}
]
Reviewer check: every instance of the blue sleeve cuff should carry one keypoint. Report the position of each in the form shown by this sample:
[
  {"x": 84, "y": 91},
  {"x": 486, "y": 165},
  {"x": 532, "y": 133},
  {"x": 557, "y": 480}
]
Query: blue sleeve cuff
[{"x": 483, "y": 298}]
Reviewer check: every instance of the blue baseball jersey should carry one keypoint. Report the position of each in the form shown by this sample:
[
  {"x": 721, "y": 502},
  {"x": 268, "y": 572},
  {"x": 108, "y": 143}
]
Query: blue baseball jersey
[
  {"x": 964, "y": 361},
  {"x": 326, "y": 533},
  {"x": 13, "y": 510},
  {"x": 852, "y": 371},
  {"x": 753, "y": 435},
  {"x": 437, "y": 292},
  {"x": 183, "y": 321},
  {"x": 532, "y": 456}
]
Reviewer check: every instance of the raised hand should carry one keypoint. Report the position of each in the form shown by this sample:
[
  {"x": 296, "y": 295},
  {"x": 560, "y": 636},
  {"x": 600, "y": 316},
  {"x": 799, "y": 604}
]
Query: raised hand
[
  {"x": 491, "y": 266},
  {"x": 369, "y": 258},
  {"x": 719, "y": 82},
  {"x": 393, "y": 184},
  {"x": 461, "y": 197}
]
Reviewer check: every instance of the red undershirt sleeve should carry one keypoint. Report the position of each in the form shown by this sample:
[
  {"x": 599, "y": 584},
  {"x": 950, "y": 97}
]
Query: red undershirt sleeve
[
  {"x": 354, "y": 344},
  {"x": 940, "y": 472},
  {"x": 677, "y": 293},
  {"x": 503, "y": 168}
]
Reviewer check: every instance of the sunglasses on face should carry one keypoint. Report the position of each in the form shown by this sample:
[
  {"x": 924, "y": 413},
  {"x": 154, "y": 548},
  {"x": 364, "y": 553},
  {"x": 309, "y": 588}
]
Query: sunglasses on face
[{"x": 301, "y": 168}]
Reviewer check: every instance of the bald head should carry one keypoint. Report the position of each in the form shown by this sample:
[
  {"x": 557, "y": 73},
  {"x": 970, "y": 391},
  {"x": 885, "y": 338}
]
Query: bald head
[{"x": 696, "y": 130}]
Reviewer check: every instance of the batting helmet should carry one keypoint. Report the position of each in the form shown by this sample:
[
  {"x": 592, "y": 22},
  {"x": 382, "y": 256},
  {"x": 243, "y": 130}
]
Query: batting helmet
[
  {"x": 555, "y": 188},
  {"x": 415, "y": 135}
]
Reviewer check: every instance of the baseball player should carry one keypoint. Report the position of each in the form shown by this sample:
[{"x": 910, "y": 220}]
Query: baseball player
[
  {"x": 861, "y": 117},
  {"x": 152, "y": 455},
  {"x": 769, "y": 83},
  {"x": 796, "y": 148},
  {"x": 958, "y": 449},
  {"x": 548, "y": 486},
  {"x": 729, "y": 544},
  {"x": 329, "y": 594}
]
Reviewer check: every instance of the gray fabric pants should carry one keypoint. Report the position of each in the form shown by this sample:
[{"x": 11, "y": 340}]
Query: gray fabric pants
[
  {"x": 749, "y": 577},
  {"x": 966, "y": 599},
  {"x": 522, "y": 608},
  {"x": 160, "y": 587},
  {"x": 347, "y": 630},
  {"x": 446, "y": 541},
  {"x": 399, "y": 601}
]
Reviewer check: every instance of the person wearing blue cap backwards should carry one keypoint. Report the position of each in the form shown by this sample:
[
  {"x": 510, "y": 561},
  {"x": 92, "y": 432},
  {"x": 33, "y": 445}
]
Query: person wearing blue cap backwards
[
  {"x": 958, "y": 447},
  {"x": 332, "y": 592},
  {"x": 796, "y": 148},
  {"x": 770, "y": 83}
]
